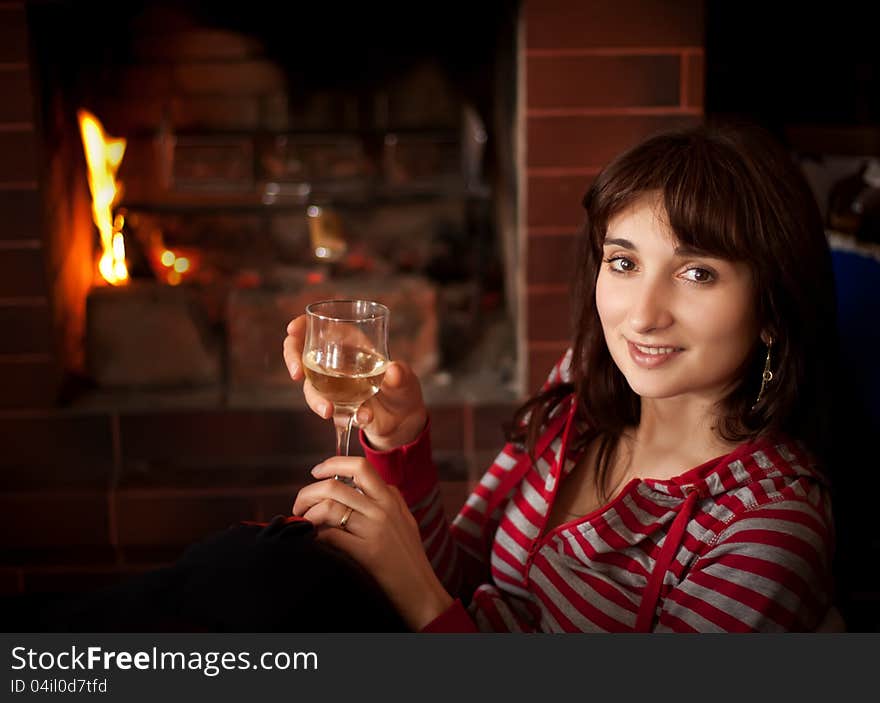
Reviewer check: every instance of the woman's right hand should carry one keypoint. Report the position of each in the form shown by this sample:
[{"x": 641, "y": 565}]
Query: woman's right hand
[{"x": 395, "y": 416}]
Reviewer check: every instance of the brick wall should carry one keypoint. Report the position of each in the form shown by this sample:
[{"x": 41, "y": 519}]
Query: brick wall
[
  {"x": 90, "y": 497},
  {"x": 27, "y": 370},
  {"x": 600, "y": 76}
]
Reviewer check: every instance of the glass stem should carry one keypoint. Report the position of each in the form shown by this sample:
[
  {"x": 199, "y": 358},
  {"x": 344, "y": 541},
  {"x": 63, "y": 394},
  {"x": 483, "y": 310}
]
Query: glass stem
[{"x": 342, "y": 420}]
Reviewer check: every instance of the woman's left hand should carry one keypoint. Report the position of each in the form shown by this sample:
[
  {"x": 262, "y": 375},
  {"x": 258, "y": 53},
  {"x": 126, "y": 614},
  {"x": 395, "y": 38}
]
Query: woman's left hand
[{"x": 380, "y": 533}]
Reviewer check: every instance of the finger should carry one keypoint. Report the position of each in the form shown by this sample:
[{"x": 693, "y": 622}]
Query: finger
[
  {"x": 399, "y": 393},
  {"x": 321, "y": 513},
  {"x": 358, "y": 468},
  {"x": 297, "y": 326},
  {"x": 374, "y": 416},
  {"x": 292, "y": 358},
  {"x": 331, "y": 489},
  {"x": 398, "y": 381},
  {"x": 318, "y": 403},
  {"x": 293, "y": 346},
  {"x": 330, "y": 513}
]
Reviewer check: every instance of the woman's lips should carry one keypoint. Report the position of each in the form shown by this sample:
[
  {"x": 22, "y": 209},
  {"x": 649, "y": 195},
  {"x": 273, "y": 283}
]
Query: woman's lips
[{"x": 647, "y": 360}]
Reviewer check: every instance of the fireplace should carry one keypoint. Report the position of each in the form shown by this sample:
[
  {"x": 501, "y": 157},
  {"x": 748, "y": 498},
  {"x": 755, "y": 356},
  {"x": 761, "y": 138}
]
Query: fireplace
[{"x": 253, "y": 171}]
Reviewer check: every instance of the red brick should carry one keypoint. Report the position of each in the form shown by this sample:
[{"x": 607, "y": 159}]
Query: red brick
[
  {"x": 557, "y": 24},
  {"x": 555, "y": 201},
  {"x": 602, "y": 81},
  {"x": 541, "y": 361},
  {"x": 19, "y": 162},
  {"x": 140, "y": 168},
  {"x": 26, "y": 329},
  {"x": 236, "y": 78},
  {"x": 447, "y": 428},
  {"x": 22, "y": 273},
  {"x": 55, "y": 449},
  {"x": 453, "y": 494},
  {"x": 488, "y": 424},
  {"x": 50, "y": 520},
  {"x": 482, "y": 460},
  {"x": 592, "y": 141},
  {"x": 20, "y": 212},
  {"x": 198, "y": 44},
  {"x": 216, "y": 113},
  {"x": 146, "y": 81},
  {"x": 222, "y": 436},
  {"x": 424, "y": 96},
  {"x": 548, "y": 316},
  {"x": 13, "y": 34},
  {"x": 241, "y": 474},
  {"x": 122, "y": 116},
  {"x": 279, "y": 501},
  {"x": 552, "y": 259},
  {"x": 18, "y": 102},
  {"x": 27, "y": 384},
  {"x": 451, "y": 466},
  {"x": 10, "y": 581},
  {"x": 168, "y": 518},
  {"x": 695, "y": 88}
]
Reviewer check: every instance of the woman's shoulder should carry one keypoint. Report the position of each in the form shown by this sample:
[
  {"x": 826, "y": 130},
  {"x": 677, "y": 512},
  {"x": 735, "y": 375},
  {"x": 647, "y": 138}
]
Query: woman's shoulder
[
  {"x": 774, "y": 473},
  {"x": 560, "y": 372}
]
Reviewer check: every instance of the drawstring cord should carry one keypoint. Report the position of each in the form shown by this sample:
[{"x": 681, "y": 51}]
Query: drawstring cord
[
  {"x": 514, "y": 476},
  {"x": 651, "y": 596}
]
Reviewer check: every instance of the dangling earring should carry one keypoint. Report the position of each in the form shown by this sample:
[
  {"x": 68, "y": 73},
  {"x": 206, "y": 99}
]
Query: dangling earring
[{"x": 766, "y": 377}]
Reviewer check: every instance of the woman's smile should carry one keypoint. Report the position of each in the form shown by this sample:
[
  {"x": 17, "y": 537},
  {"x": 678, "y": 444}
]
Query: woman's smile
[{"x": 650, "y": 357}]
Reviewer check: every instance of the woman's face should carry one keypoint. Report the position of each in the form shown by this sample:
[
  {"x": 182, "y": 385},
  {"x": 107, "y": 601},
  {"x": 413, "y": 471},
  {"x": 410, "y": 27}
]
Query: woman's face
[{"x": 676, "y": 322}]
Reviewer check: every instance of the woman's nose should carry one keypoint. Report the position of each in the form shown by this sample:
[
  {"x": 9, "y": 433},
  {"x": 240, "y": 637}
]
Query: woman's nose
[{"x": 650, "y": 307}]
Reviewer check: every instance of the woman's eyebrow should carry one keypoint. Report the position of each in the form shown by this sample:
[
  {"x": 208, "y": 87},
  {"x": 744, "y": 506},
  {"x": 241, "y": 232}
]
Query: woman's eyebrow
[
  {"x": 625, "y": 243},
  {"x": 681, "y": 250},
  {"x": 685, "y": 250}
]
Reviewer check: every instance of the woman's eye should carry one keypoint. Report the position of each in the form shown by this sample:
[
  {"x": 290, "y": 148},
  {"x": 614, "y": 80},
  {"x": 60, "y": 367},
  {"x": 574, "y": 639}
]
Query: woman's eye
[
  {"x": 699, "y": 275},
  {"x": 620, "y": 264}
]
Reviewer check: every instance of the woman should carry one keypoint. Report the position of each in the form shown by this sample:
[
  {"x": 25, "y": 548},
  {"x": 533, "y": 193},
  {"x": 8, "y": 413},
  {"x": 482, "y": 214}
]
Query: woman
[{"x": 658, "y": 482}]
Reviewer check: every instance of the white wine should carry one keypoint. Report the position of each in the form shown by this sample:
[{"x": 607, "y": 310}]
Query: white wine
[{"x": 346, "y": 376}]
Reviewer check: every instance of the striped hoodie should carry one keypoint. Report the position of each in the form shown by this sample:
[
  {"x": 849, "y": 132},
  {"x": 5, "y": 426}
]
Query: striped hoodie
[{"x": 741, "y": 543}]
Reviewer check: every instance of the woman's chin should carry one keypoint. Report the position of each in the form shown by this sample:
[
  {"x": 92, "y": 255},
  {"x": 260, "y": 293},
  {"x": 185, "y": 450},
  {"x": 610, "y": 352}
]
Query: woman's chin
[{"x": 655, "y": 388}]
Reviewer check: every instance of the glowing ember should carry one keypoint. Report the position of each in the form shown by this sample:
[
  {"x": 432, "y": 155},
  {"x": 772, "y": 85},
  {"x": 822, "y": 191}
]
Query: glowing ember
[
  {"x": 171, "y": 266},
  {"x": 103, "y": 156}
]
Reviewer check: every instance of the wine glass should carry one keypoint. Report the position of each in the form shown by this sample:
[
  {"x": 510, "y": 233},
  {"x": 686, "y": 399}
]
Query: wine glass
[{"x": 345, "y": 356}]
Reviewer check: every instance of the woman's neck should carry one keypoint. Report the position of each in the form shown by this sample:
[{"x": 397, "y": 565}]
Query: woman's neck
[{"x": 679, "y": 427}]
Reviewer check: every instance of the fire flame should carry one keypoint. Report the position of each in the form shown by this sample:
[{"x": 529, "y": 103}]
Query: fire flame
[{"x": 103, "y": 156}]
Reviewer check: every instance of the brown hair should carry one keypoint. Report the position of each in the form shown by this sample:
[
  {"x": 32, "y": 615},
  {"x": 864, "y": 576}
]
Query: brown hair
[{"x": 732, "y": 192}]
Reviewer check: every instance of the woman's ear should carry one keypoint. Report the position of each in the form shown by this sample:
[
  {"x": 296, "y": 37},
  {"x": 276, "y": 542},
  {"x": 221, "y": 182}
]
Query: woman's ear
[{"x": 766, "y": 337}]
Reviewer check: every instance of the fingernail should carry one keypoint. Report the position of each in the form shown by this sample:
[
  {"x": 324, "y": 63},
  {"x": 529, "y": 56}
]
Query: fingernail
[
  {"x": 324, "y": 409},
  {"x": 294, "y": 369},
  {"x": 362, "y": 417}
]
